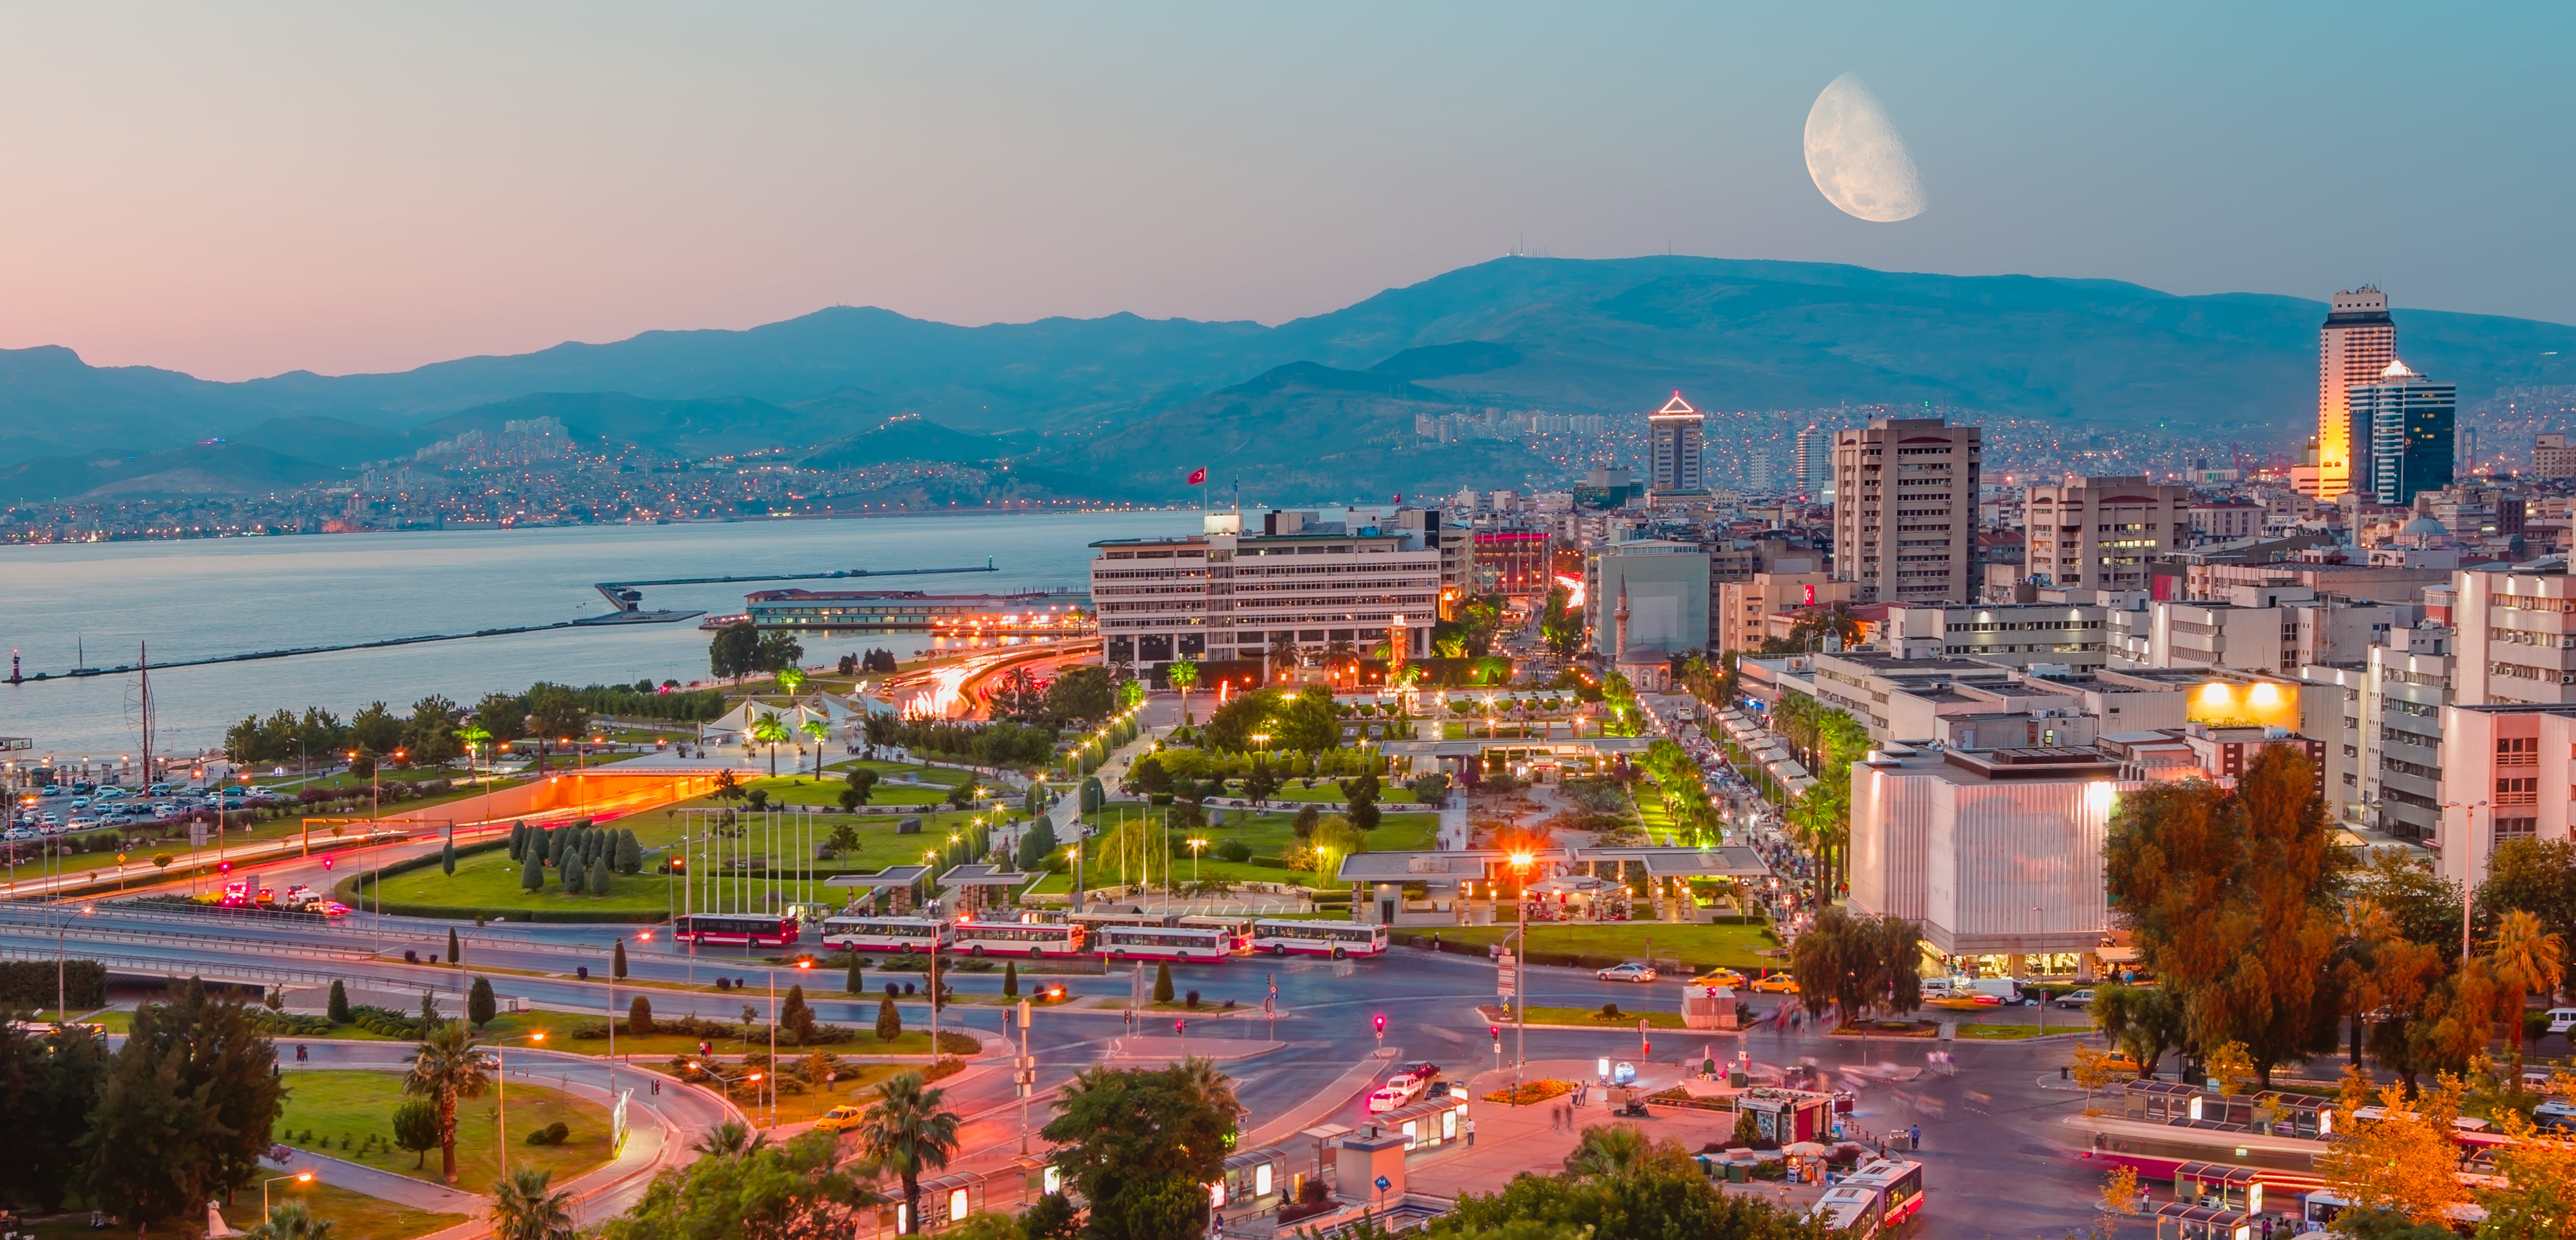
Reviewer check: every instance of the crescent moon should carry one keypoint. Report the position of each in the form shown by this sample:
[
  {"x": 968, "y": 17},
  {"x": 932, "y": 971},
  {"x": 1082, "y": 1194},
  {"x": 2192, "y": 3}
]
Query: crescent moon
[{"x": 1858, "y": 159}]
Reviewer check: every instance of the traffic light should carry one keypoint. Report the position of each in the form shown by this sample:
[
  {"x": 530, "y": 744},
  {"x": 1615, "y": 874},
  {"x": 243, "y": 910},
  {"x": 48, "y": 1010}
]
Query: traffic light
[
  {"x": 326, "y": 863},
  {"x": 1380, "y": 1022}
]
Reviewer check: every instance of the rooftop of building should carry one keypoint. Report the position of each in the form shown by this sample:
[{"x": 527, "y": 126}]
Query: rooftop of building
[
  {"x": 1898, "y": 665},
  {"x": 1988, "y": 766}
]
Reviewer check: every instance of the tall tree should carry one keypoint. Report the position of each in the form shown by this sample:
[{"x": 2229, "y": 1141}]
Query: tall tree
[
  {"x": 446, "y": 1069},
  {"x": 2524, "y": 959},
  {"x": 2232, "y": 897},
  {"x": 1183, "y": 674},
  {"x": 49, "y": 1085},
  {"x": 1140, "y": 1144},
  {"x": 748, "y": 1189},
  {"x": 908, "y": 1131},
  {"x": 188, "y": 1107},
  {"x": 292, "y": 1220},
  {"x": 1082, "y": 693}
]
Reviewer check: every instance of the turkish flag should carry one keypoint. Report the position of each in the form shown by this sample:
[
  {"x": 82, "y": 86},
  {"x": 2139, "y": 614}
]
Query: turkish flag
[
  {"x": 1198, "y": 475},
  {"x": 1399, "y": 497}
]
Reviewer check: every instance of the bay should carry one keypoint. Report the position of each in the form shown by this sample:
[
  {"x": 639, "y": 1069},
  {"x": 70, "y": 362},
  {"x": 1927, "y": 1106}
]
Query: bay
[{"x": 63, "y": 602}]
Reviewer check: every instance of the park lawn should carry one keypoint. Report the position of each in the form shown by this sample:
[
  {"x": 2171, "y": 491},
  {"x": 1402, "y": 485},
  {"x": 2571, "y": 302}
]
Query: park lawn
[
  {"x": 1330, "y": 791},
  {"x": 2005, "y": 1033},
  {"x": 907, "y": 770},
  {"x": 657, "y": 828},
  {"x": 1267, "y": 834},
  {"x": 1696, "y": 946},
  {"x": 799, "y": 1103},
  {"x": 807, "y": 790},
  {"x": 491, "y": 881},
  {"x": 356, "y": 1216},
  {"x": 350, "y": 1106},
  {"x": 1505, "y": 732}
]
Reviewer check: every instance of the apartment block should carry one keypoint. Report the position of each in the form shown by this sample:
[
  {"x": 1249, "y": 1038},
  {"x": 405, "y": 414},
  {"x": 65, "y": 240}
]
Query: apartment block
[
  {"x": 1905, "y": 509},
  {"x": 1226, "y": 594},
  {"x": 1744, "y": 607},
  {"x": 2012, "y": 635},
  {"x": 2551, "y": 457},
  {"x": 2508, "y": 773},
  {"x": 2226, "y": 520},
  {"x": 2099, "y": 533},
  {"x": 2515, "y": 637}
]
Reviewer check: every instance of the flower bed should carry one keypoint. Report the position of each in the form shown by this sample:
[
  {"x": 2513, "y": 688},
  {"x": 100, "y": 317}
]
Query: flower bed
[{"x": 1531, "y": 1091}]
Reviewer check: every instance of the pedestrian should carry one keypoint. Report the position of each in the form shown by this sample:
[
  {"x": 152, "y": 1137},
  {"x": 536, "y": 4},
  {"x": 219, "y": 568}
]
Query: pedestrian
[
  {"x": 1471, "y": 1134},
  {"x": 1914, "y": 1137},
  {"x": 299, "y": 1052}
]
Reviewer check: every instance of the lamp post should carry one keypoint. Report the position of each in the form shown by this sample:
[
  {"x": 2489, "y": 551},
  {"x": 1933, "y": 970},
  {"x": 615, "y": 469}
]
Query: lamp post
[
  {"x": 1520, "y": 971},
  {"x": 300, "y": 1177},
  {"x": 2468, "y": 889},
  {"x": 1195, "y": 846},
  {"x": 501, "y": 1069}
]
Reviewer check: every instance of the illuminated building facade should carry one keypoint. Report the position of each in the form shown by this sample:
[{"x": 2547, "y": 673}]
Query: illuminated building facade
[
  {"x": 1673, "y": 448},
  {"x": 2356, "y": 344},
  {"x": 2410, "y": 421},
  {"x": 1905, "y": 509}
]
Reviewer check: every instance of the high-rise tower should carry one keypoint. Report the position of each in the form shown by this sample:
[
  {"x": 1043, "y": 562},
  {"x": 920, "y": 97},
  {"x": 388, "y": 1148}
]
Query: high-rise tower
[
  {"x": 1905, "y": 509},
  {"x": 2357, "y": 342},
  {"x": 1815, "y": 459},
  {"x": 1673, "y": 451},
  {"x": 2408, "y": 422}
]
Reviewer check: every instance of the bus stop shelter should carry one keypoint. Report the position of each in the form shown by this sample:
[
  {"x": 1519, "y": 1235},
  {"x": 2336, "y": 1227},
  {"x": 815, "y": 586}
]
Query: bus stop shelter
[{"x": 899, "y": 879}]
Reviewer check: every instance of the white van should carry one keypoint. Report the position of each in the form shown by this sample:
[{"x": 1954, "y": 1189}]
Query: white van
[
  {"x": 2003, "y": 988},
  {"x": 2562, "y": 1020},
  {"x": 1939, "y": 987}
]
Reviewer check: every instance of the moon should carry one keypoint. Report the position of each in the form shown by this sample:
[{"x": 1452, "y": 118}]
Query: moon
[{"x": 1857, "y": 157}]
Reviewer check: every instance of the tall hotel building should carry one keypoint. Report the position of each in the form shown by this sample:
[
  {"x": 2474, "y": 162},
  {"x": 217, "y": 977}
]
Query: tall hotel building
[
  {"x": 1815, "y": 460},
  {"x": 1905, "y": 509},
  {"x": 1673, "y": 450},
  {"x": 2355, "y": 346}
]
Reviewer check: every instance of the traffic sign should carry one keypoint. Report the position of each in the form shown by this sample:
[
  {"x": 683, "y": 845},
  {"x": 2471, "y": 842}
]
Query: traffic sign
[{"x": 1384, "y": 1184}]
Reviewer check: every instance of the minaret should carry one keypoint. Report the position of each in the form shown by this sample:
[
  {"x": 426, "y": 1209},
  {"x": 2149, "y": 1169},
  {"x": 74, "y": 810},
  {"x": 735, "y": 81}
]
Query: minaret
[{"x": 1619, "y": 639}]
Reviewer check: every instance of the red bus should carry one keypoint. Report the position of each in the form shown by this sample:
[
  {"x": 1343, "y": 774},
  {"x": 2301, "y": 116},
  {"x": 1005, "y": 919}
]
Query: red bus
[{"x": 758, "y": 930}]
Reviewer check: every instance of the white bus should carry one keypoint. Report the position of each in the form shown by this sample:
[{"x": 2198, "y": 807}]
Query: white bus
[
  {"x": 1336, "y": 939},
  {"x": 1849, "y": 1209},
  {"x": 1097, "y": 921},
  {"x": 1238, "y": 927},
  {"x": 1161, "y": 943},
  {"x": 1016, "y": 938},
  {"x": 1898, "y": 1183},
  {"x": 885, "y": 934}
]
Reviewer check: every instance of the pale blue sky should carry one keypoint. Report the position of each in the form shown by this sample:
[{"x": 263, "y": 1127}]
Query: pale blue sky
[{"x": 239, "y": 190}]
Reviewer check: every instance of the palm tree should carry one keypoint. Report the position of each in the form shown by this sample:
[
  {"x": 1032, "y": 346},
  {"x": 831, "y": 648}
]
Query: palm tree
[
  {"x": 817, "y": 731},
  {"x": 907, "y": 1130},
  {"x": 2524, "y": 958},
  {"x": 791, "y": 679},
  {"x": 291, "y": 1222},
  {"x": 728, "y": 1139},
  {"x": 522, "y": 1209},
  {"x": 770, "y": 730},
  {"x": 446, "y": 1070},
  {"x": 1612, "y": 1152},
  {"x": 1183, "y": 675}
]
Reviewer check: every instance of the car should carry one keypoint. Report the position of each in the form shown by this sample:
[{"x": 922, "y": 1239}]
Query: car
[
  {"x": 80, "y": 802},
  {"x": 1629, "y": 972},
  {"x": 841, "y": 1119},
  {"x": 333, "y": 908},
  {"x": 1777, "y": 983},
  {"x": 1720, "y": 977},
  {"x": 2076, "y": 998},
  {"x": 1964, "y": 1002},
  {"x": 2561, "y": 1020}
]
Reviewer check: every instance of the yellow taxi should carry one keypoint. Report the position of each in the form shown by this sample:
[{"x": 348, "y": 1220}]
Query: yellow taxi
[
  {"x": 1776, "y": 984},
  {"x": 840, "y": 1119},
  {"x": 1721, "y": 977}
]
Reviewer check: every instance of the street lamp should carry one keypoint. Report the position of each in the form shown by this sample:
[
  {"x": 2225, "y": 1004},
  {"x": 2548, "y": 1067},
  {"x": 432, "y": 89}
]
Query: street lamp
[
  {"x": 1195, "y": 846},
  {"x": 2468, "y": 836},
  {"x": 501, "y": 1069},
  {"x": 300, "y": 1177},
  {"x": 1520, "y": 969}
]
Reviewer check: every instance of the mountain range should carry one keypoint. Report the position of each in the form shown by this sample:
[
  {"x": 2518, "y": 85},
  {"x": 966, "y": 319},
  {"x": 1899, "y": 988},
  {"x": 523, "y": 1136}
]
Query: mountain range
[{"x": 1122, "y": 406}]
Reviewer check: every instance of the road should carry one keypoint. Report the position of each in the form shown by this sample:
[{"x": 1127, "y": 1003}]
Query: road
[{"x": 1995, "y": 1166}]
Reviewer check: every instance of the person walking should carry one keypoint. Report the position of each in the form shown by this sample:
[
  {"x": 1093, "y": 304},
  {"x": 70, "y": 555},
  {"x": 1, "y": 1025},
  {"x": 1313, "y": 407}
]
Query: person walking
[
  {"x": 1471, "y": 1134},
  {"x": 1914, "y": 1137}
]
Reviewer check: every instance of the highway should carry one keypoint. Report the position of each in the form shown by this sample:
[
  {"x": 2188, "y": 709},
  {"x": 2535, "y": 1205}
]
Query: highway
[{"x": 2007, "y": 1174}]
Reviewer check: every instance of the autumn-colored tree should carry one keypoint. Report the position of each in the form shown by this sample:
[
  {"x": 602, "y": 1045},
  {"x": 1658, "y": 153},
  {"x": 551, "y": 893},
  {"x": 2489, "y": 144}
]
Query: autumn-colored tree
[
  {"x": 2524, "y": 958},
  {"x": 2120, "y": 1192},
  {"x": 2541, "y": 1173},
  {"x": 2230, "y": 1066},
  {"x": 2095, "y": 1070},
  {"x": 2232, "y": 895},
  {"x": 2402, "y": 1159}
]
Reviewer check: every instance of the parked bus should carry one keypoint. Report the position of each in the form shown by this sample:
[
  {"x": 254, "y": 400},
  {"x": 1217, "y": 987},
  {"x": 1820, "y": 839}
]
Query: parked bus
[
  {"x": 1336, "y": 939},
  {"x": 1161, "y": 943},
  {"x": 1848, "y": 1210},
  {"x": 1016, "y": 938},
  {"x": 1096, "y": 921},
  {"x": 885, "y": 934},
  {"x": 755, "y": 929},
  {"x": 1898, "y": 1183},
  {"x": 1237, "y": 928}
]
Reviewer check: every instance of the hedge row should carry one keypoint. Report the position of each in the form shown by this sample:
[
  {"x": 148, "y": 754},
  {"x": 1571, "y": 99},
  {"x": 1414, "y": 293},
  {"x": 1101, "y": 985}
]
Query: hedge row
[{"x": 34, "y": 983}]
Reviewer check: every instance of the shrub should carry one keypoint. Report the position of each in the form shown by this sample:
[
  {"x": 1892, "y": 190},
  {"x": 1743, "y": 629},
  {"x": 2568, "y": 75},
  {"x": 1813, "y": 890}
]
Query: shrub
[{"x": 552, "y": 1134}]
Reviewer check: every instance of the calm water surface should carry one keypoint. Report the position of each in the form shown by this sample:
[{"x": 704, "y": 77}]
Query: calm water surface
[{"x": 225, "y": 596}]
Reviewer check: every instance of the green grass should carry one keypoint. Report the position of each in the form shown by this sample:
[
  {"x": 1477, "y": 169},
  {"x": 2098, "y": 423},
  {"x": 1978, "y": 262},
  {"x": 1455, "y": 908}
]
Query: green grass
[
  {"x": 1626, "y": 1019},
  {"x": 1697, "y": 946},
  {"x": 353, "y": 1216},
  {"x": 2005, "y": 1033},
  {"x": 1330, "y": 791},
  {"x": 1267, "y": 834},
  {"x": 334, "y": 1105}
]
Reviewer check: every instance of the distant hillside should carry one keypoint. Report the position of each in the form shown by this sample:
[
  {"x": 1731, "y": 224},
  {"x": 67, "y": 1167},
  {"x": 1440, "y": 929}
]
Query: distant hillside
[
  {"x": 1571, "y": 336},
  {"x": 1299, "y": 432},
  {"x": 199, "y": 469},
  {"x": 903, "y": 439}
]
